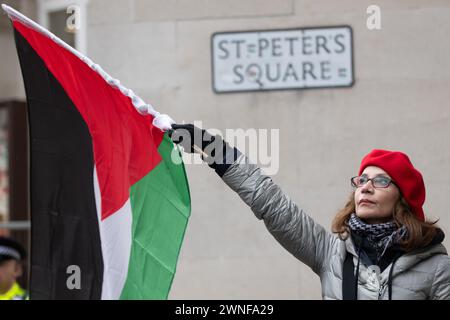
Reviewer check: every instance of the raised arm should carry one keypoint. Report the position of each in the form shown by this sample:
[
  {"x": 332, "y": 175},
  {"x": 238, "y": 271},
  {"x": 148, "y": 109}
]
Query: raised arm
[{"x": 291, "y": 226}]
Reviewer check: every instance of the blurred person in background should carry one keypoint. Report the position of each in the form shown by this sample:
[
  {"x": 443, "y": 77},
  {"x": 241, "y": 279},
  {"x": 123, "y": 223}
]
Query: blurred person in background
[{"x": 11, "y": 257}]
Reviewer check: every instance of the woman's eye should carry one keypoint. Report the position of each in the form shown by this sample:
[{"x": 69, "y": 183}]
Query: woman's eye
[
  {"x": 362, "y": 180},
  {"x": 382, "y": 181}
]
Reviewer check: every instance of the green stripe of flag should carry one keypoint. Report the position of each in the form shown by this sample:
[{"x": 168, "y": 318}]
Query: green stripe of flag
[{"x": 160, "y": 204}]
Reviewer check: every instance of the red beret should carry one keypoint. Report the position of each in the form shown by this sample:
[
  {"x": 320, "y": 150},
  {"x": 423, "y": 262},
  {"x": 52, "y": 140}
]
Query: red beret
[{"x": 406, "y": 177}]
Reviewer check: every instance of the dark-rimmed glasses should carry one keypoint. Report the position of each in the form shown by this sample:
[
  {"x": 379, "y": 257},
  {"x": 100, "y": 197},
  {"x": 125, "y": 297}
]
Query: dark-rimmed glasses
[{"x": 377, "y": 182}]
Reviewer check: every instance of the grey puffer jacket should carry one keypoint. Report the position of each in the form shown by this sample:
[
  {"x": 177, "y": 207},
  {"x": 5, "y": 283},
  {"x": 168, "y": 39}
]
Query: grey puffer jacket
[{"x": 417, "y": 275}]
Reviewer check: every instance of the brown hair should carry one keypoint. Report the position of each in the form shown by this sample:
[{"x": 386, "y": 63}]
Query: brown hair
[{"x": 420, "y": 233}]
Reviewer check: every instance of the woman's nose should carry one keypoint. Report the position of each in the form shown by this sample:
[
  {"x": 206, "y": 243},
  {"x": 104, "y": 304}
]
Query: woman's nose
[{"x": 367, "y": 187}]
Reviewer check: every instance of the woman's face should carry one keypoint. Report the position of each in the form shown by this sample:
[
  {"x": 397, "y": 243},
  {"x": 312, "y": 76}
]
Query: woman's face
[{"x": 375, "y": 205}]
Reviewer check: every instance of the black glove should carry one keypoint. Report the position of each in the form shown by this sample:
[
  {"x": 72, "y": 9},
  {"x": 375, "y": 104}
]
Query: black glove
[
  {"x": 188, "y": 136},
  {"x": 216, "y": 152}
]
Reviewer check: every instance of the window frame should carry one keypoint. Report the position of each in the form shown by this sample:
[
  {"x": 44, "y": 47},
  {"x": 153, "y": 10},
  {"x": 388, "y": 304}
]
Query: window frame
[{"x": 45, "y": 7}]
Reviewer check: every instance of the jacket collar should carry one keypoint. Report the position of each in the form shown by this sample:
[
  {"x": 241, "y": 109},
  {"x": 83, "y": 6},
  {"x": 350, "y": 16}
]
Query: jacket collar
[{"x": 406, "y": 261}]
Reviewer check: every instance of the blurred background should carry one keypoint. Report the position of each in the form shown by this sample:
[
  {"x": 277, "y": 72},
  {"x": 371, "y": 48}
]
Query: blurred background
[{"x": 162, "y": 50}]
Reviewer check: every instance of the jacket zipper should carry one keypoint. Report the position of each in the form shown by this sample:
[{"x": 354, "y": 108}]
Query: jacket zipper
[{"x": 381, "y": 291}]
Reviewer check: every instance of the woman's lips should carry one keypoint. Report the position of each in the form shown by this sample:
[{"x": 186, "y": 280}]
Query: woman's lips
[{"x": 366, "y": 202}]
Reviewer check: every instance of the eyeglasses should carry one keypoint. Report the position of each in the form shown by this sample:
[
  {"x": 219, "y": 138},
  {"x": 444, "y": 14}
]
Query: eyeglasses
[{"x": 377, "y": 182}]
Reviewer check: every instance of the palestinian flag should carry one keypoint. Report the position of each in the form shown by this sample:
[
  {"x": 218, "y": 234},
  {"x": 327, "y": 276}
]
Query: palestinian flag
[{"x": 109, "y": 195}]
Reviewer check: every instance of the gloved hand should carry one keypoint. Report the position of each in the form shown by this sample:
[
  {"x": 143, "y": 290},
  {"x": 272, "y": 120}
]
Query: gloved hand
[
  {"x": 216, "y": 152},
  {"x": 191, "y": 138}
]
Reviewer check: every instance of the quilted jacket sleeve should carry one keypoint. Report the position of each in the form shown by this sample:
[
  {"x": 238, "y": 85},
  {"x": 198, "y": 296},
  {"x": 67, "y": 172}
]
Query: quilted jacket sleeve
[
  {"x": 291, "y": 226},
  {"x": 441, "y": 283}
]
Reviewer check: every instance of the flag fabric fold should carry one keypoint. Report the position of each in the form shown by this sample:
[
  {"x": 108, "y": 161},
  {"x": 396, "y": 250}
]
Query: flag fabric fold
[{"x": 109, "y": 193}]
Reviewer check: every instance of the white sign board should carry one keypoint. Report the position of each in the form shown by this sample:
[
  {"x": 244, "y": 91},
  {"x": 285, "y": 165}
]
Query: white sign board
[{"x": 282, "y": 59}]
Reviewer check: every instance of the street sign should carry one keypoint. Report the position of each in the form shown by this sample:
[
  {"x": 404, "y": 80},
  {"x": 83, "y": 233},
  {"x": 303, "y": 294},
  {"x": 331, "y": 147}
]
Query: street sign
[{"x": 282, "y": 59}]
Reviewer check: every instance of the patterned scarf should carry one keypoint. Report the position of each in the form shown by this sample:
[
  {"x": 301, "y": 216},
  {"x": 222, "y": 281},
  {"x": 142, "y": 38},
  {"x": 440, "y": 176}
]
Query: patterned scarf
[{"x": 380, "y": 236}]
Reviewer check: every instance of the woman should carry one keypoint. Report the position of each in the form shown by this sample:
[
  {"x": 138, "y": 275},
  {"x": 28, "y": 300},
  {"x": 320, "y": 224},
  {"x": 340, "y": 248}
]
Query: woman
[{"x": 382, "y": 247}]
